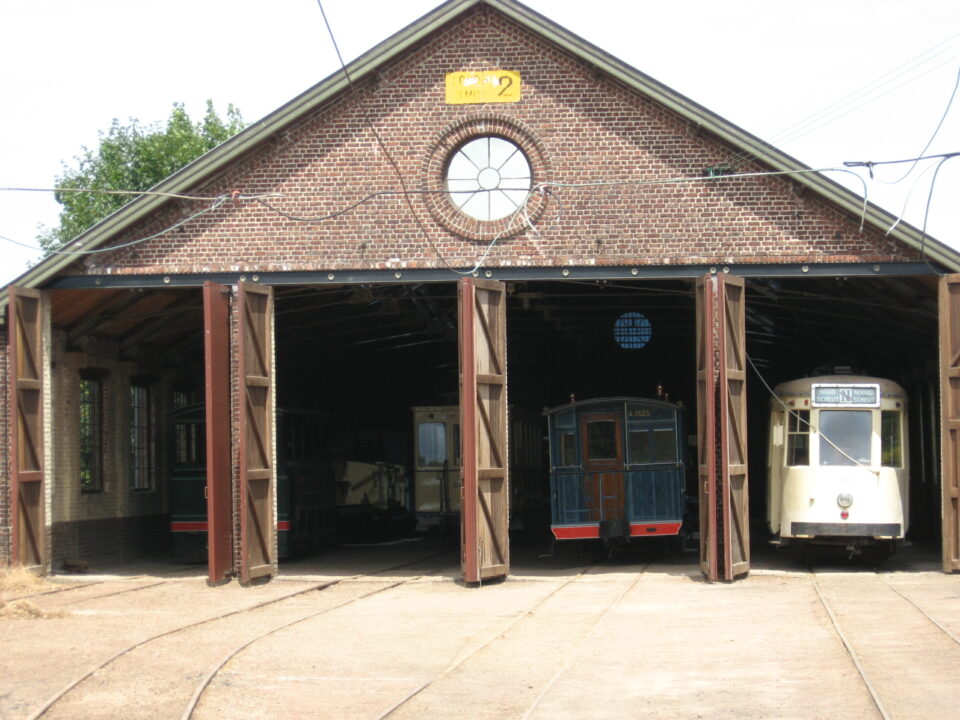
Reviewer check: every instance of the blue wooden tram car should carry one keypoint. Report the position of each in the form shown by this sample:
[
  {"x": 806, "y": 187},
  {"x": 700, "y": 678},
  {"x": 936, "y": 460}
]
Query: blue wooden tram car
[{"x": 617, "y": 469}]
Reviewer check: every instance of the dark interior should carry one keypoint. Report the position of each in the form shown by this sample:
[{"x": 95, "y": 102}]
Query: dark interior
[{"x": 363, "y": 355}]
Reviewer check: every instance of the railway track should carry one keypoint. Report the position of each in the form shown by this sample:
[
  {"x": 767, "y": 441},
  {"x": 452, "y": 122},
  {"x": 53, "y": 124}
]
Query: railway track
[
  {"x": 463, "y": 657},
  {"x": 52, "y": 703},
  {"x": 878, "y": 651},
  {"x": 55, "y": 591}
]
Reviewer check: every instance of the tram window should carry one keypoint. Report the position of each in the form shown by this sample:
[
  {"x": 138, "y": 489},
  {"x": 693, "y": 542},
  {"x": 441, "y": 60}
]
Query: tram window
[
  {"x": 567, "y": 449},
  {"x": 651, "y": 445},
  {"x": 431, "y": 444},
  {"x": 891, "y": 449},
  {"x": 566, "y": 419},
  {"x": 189, "y": 444},
  {"x": 848, "y": 430},
  {"x": 638, "y": 447},
  {"x": 602, "y": 440},
  {"x": 664, "y": 445},
  {"x": 456, "y": 441},
  {"x": 798, "y": 438}
]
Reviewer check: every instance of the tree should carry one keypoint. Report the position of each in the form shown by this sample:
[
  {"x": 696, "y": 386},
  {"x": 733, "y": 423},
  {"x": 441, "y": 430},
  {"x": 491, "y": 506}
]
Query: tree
[{"x": 132, "y": 157}]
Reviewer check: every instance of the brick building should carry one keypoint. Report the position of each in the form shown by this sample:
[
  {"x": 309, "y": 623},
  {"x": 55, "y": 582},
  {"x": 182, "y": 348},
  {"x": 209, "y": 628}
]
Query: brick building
[{"x": 316, "y": 260}]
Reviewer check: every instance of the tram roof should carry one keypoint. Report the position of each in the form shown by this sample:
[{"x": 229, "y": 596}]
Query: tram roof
[
  {"x": 801, "y": 386},
  {"x": 580, "y": 404}
]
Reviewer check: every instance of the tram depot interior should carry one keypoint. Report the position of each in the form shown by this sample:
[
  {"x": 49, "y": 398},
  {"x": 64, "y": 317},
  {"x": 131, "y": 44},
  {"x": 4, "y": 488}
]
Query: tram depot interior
[{"x": 364, "y": 355}]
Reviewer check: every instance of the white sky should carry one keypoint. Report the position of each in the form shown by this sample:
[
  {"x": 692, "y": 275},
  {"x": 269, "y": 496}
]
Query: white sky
[{"x": 67, "y": 68}]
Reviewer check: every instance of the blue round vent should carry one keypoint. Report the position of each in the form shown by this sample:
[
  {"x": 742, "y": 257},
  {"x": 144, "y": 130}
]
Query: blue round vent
[{"x": 632, "y": 330}]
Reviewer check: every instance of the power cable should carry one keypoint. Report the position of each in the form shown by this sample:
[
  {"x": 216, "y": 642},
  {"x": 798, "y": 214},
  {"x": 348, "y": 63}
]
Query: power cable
[
  {"x": 545, "y": 188},
  {"x": 383, "y": 147},
  {"x": 933, "y": 137},
  {"x": 802, "y": 127}
]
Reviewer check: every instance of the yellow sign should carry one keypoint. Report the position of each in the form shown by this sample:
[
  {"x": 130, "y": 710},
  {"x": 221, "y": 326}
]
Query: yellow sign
[{"x": 489, "y": 86}]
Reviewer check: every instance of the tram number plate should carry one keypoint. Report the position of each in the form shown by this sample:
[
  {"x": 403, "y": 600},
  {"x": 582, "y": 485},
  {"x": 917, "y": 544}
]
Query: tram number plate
[{"x": 836, "y": 395}]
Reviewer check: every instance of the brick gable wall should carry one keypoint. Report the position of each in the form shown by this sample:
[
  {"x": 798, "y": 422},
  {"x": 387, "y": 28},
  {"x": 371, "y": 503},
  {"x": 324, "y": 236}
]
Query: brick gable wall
[
  {"x": 5, "y": 468},
  {"x": 586, "y": 128}
]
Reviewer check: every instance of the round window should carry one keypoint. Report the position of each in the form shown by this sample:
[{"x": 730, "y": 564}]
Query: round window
[
  {"x": 488, "y": 177},
  {"x": 632, "y": 330}
]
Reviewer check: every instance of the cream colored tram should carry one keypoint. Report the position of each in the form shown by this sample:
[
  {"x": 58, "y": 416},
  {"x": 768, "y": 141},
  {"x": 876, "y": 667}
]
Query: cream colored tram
[
  {"x": 436, "y": 470},
  {"x": 838, "y": 463}
]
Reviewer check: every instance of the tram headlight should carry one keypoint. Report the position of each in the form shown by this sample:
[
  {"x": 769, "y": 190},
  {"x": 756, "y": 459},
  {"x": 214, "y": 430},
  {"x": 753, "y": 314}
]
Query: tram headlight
[{"x": 844, "y": 500}]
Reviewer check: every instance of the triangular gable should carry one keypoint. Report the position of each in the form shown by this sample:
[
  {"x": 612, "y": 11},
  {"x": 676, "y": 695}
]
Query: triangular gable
[{"x": 219, "y": 161}]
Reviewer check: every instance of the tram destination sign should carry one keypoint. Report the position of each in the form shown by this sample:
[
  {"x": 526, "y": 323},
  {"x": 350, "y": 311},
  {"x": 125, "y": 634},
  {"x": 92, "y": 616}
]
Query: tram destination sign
[{"x": 864, "y": 395}]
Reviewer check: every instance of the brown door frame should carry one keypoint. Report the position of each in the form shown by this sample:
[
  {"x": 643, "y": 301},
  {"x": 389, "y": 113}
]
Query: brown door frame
[
  {"x": 216, "y": 345},
  {"x": 949, "y": 311},
  {"x": 706, "y": 426},
  {"x": 722, "y": 427},
  {"x": 256, "y": 452},
  {"x": 485, "y": 504},
  {"x": 26, "y": 363}
]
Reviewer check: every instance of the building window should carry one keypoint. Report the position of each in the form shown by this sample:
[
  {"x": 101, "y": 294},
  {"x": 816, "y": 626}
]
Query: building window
[
  {"x": 91, "y": 433},
  {"x": 488, "y": 177},
  {"x": 479, "y": 173},
  {"x": 142, "y": 443}
]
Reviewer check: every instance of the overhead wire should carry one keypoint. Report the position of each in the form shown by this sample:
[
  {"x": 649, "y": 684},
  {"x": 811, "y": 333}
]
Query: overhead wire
[
  {"x": 60, "y": 251},
  {"x": 521, "y": 213},
  {"x": 106, "y": 191},
  {"x": 943, "y": 157},
  {"x": 382, "y": 144},
  {"x": 802, "y": 127},
  {"x": 936, "y": 131}
]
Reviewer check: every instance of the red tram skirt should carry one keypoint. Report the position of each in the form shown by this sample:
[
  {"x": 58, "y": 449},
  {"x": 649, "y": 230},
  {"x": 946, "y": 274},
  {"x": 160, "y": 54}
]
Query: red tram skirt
[{"x": 589, "y": 531}]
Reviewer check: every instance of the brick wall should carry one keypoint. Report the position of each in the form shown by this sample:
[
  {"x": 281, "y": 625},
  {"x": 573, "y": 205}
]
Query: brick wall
[
  {"x": 102, "y": 526},
  {"x": 580, "y": 127},
  {"x": 4, "y": 451}
]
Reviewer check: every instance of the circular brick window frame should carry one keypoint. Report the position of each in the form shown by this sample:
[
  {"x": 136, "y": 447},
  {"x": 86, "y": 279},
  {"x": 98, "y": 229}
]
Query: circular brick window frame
[{"x": 446, "y": 144}]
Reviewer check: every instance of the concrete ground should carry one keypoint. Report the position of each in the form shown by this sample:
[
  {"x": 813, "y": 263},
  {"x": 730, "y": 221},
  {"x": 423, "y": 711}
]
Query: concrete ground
[{"x": 639, "y": 636}]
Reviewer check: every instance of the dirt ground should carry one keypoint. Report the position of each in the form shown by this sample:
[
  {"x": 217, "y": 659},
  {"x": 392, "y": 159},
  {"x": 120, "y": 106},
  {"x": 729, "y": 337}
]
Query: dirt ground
[{"x": 641, "y": 636}]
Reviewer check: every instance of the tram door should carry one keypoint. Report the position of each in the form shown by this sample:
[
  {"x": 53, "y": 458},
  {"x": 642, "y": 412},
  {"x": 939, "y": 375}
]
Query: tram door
[{"x": 602, "y": 454}]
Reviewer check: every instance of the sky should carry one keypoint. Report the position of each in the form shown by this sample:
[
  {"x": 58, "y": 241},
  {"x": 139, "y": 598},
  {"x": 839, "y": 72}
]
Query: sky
[{"x": 826, "y": 81}]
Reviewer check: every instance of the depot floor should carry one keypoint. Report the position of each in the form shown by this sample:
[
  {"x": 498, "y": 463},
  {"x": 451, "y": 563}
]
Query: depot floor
[{"x": 372, "y": 632}]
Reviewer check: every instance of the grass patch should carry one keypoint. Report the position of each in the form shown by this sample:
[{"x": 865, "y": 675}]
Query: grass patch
[
  {"x": 26, "y": 609},
  {"x": 19, "y": 579}
]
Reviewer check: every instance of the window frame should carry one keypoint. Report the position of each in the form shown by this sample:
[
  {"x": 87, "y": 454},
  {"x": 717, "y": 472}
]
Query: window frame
[
  {"x": 798, "y": 424},
  {"x": 143, "y": 476},
  {"x": 897, "y": 447},
  {"x": 91, "y": 430}
]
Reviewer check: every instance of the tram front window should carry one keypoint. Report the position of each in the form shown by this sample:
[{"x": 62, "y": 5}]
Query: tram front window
[
  {"x": 431, "y": 444},
  {"x": 602, "y": 440},
  {"x": 845, "y": 437}
]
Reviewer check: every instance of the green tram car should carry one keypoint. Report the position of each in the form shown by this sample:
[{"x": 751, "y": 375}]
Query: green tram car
[
  {"x": 306, "y": 508},
  {"x": 617, "y": 469}
]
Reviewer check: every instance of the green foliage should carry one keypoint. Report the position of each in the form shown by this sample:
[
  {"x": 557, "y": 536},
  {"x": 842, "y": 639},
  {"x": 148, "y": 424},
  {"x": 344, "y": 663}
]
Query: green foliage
[{"x": 132, "y": 157}]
